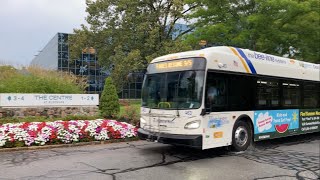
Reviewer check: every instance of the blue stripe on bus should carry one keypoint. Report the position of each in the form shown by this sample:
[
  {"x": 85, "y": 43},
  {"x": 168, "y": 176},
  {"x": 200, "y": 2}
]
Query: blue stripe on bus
[{"x": 253, "y": 70}]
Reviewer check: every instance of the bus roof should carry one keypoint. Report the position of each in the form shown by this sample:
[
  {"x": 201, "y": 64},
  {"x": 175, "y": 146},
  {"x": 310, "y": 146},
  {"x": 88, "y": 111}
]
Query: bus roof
[{"x": 246, "y": 61}]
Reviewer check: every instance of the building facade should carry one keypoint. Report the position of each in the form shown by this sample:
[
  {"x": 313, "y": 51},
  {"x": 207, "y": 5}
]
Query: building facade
[{"x": 55, "y": 56}]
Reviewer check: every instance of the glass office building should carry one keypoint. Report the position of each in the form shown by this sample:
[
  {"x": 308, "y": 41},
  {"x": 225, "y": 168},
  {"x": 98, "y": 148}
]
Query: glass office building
[
  {"x": 86, "y": 65},
  {"x": 55, "y": 56}
]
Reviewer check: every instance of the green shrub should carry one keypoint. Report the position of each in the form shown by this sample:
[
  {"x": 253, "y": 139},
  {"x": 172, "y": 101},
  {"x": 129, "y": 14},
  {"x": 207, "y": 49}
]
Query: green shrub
[
  {"x": 130, "y": 111},
  {"x": 109, "y": 101},
  {"x": 79, "y": 117},
  {"x": 7, "y": 72},
  {"x": 37, "y": 80},
  {"x": 45, "y": 119},
  {"x": 130, "y": 114}
]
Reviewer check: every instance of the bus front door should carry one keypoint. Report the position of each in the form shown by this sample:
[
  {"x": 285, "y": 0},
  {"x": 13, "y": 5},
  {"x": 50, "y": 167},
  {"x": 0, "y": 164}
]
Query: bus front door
[{"x": 216, "y": 130}]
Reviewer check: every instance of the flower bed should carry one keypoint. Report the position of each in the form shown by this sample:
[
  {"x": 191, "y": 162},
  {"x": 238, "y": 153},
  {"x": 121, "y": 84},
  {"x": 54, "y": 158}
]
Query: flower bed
[{"x": 41, "y": 133}]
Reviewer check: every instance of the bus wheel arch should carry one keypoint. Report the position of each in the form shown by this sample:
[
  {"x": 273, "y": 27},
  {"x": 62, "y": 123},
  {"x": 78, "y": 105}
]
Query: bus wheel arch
[{"x": 242, "y": 133}]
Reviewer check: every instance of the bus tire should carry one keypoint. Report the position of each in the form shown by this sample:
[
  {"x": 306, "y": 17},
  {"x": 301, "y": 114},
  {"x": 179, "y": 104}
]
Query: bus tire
[{"x": 241, "y": 136}]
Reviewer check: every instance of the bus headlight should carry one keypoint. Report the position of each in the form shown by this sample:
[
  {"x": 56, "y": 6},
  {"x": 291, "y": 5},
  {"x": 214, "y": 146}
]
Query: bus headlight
[{"x": 193, "y": 125}]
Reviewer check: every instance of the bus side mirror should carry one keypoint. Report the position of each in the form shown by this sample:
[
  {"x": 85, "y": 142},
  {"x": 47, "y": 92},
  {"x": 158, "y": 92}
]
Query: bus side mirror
[{"x": 205, "y": 111}]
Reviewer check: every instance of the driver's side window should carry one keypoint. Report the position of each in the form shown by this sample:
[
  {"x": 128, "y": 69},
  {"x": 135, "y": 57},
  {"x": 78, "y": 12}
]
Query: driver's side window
[{"x": 216, "y": 92}]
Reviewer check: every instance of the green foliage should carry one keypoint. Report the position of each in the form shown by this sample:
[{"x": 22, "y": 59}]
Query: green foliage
[
  {"x": 109, "y": 101},
  {"x": 79, "y": 117},
  {"x": 7, "y": 72},
  {"x": 130, "y": 112},
  {"x": 37, "y": 80},
  {"x": 129, "y": 34},
  {"x": 285, "y": 27},
  {"x": 6, "y": 68},
  {"x": 45, "y": 119}
]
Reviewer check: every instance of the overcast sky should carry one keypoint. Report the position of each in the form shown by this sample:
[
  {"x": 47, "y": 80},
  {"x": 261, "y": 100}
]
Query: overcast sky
[{"x": 26, "y": 26}]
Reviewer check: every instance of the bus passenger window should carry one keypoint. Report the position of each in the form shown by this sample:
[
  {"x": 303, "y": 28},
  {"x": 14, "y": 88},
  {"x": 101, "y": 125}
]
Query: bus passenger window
[
  {"x": 267, "y": 93},
  {"x": 291, "y": 94},
  {"x": 241, "y": 90},
  {"x": 311, "y": 95}
]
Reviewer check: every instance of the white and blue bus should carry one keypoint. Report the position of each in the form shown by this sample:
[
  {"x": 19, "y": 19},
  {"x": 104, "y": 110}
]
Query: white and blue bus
[{"x": 226, "y": 96}]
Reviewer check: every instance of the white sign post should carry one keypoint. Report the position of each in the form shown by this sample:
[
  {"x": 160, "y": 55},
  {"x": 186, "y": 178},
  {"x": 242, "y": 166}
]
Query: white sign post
[{"x": 35, "y": 100}]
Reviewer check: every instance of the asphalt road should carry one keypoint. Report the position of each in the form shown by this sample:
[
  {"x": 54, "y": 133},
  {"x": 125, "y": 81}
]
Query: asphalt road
[{"x": 288, "y": 158}]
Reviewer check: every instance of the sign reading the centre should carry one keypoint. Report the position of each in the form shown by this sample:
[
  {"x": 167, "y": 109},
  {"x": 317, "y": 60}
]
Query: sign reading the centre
[{"x": 27, "y": 100}]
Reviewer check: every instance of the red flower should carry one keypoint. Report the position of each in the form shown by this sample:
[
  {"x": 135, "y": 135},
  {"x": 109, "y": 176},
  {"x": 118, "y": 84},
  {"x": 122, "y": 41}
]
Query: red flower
[
  {"x": 41, "y": 125},
  {"x": 53, "y": 136},
  {"x": 25, "y": 125},
  {"x": 65, "y": 125},
  {"x": 110, "y": 129},
  {"x": 104, "y": 124},
  {"x": 11, "y": 137},
  {"x": 33, "y": 134}
]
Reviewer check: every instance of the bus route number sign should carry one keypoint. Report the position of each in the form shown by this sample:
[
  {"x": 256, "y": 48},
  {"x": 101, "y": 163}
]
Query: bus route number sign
[{"x": 175, "y": 64}]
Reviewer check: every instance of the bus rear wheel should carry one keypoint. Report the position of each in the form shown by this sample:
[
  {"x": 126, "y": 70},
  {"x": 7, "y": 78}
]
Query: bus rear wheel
[{"x": 241, "y": 136}]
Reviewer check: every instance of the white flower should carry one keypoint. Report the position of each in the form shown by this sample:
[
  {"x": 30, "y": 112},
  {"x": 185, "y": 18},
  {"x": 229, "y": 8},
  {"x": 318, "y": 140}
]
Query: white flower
[{"x": 31, "y": 134}]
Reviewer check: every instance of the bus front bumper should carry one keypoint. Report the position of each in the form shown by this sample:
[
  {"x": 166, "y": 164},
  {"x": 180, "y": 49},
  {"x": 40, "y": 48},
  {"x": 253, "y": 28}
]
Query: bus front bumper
[{"x": 194, "y": 141}]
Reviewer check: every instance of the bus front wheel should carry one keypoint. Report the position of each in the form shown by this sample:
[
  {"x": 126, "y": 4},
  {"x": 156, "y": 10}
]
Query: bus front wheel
[{"x": 241, "y": 136}]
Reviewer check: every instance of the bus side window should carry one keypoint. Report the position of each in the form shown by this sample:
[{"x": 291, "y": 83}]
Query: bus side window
[
  {"x": 241, "y": 90},
  {"x": 311, "y": 95},
  {"x": 215, "y": 93},
  {"x": 291, "y": 94},
  {"x": 268, "y": 96}
]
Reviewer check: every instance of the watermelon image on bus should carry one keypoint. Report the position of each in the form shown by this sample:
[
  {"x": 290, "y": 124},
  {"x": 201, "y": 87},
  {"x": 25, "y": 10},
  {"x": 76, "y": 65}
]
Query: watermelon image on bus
[{"x": 281, "y": 128}]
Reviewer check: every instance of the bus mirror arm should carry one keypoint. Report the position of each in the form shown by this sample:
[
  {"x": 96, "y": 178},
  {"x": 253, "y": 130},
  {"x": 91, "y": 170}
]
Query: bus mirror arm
[{"x": 204, "y": 111}]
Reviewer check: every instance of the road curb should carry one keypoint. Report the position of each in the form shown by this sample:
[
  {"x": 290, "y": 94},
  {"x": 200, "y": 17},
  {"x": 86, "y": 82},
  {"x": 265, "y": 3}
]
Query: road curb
[{"x": 66, "y": 145}]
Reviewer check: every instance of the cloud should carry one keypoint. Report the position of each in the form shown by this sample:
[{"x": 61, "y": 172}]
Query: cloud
[
  {"x": 264, "y": 122},
  {"x": 27, "y": 26}
]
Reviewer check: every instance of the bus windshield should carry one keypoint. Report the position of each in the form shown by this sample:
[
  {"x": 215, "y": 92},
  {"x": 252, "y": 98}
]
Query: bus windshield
[{"x": 173, "y": 90}]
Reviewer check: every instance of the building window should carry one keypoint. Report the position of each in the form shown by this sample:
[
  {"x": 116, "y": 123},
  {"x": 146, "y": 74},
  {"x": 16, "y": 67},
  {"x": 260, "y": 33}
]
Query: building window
[{"x": 65, "y": 63}]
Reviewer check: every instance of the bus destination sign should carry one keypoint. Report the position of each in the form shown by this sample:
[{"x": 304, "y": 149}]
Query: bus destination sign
[
  {"x": 175, "y": 64},
  {"x": 184, "y": 64}
]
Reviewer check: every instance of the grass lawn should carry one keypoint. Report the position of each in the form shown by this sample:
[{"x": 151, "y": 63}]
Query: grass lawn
[
  {"x": 135, "y": 104},
  {"x": 45, "y": 119}
]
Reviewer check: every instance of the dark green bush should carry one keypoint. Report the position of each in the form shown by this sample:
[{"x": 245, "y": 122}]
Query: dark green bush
[{"x": 109, "y": 102}]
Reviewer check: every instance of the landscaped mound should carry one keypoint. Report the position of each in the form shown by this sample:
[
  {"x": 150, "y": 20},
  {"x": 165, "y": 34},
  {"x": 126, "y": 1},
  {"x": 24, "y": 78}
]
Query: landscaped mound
[{"x": 41, "y": 133}]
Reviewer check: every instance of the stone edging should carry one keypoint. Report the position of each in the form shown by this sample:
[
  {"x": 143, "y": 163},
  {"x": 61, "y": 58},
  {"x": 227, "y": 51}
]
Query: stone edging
[
  {"x": 48, "y": 112},
  {"x": 67, "y": 145}
]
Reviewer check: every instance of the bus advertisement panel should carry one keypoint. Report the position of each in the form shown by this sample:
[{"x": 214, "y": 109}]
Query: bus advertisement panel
[
  {"x": 279, "y": 123},
  {"x": 309, "y": 120}
]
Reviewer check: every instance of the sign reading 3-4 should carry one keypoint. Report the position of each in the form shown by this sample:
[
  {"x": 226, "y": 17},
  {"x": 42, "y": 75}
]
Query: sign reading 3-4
[{"x": 27, "y": 100}]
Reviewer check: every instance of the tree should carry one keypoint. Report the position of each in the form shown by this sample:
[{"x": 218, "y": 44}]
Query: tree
[
  {"x": 129, "y": 34},
  {"x": 285, "y": 27},
  {"x": 109, "y": 101}
]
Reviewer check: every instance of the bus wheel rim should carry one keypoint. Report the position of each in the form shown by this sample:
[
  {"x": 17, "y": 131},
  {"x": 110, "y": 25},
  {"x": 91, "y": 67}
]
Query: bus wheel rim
[{"x": 241, "y": 136}]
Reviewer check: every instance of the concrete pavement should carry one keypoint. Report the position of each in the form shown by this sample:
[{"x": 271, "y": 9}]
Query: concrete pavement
[{"x": 287, "y": 158}]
